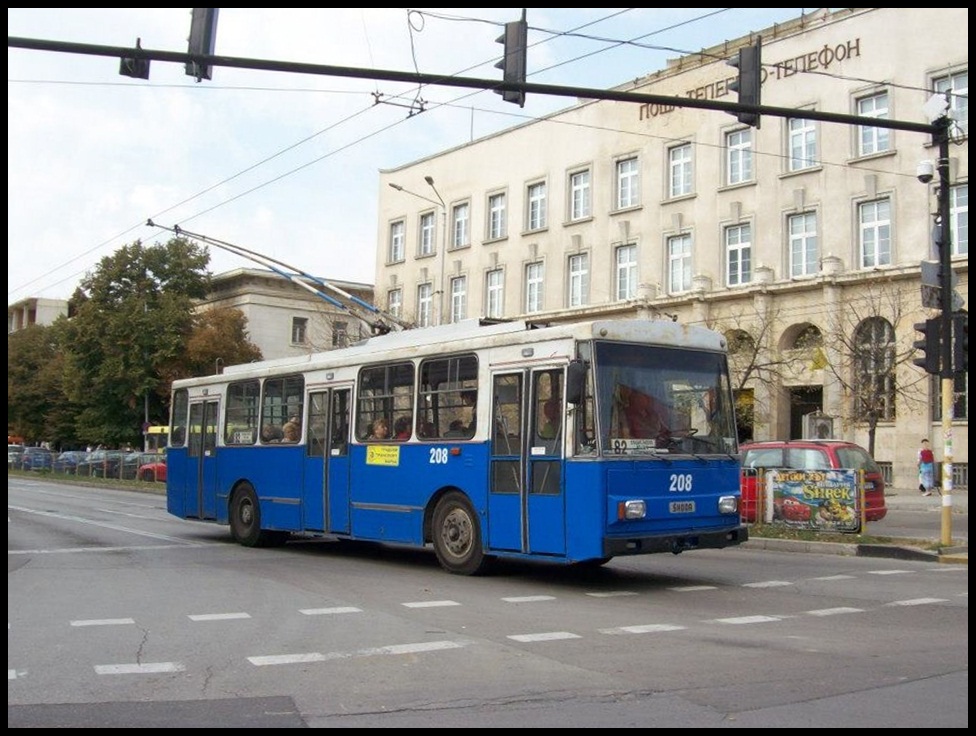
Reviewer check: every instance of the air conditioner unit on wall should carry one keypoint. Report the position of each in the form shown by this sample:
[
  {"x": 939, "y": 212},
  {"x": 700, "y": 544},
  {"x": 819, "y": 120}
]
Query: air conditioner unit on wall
[{"x": 818, "y": 426}]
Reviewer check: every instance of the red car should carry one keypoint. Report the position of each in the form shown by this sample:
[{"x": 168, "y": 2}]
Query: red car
[
  {"x": 155, "y": 471},
  {"x": 810, "y": 455}
]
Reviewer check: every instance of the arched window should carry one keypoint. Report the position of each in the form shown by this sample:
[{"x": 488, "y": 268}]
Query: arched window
[{"x": 874, "y": 370}]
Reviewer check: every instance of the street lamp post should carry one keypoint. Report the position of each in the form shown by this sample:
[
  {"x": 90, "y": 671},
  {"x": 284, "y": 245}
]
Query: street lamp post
[
  {"x": 439, "y": 202},
  {"x": 442, "y": 255}
]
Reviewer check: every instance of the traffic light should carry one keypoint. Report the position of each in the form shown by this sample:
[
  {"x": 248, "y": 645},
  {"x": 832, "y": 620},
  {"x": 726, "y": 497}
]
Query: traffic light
[
  {"x": 929, "y": 345},
  {"x": 960, "y": 342},
  {"x": 749, "y": 83},
  {"x": 515, "y": 38},
  {"x": 203, "y": 37},
  {"x": 133, "y": 67}
]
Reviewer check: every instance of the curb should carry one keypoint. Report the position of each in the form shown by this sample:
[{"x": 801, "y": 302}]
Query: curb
[{"x": 954, "y": 555}]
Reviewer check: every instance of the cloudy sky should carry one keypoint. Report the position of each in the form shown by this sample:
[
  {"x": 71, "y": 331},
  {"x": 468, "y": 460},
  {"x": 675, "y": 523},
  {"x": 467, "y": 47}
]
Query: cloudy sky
[{"x": 279, "y": 163}]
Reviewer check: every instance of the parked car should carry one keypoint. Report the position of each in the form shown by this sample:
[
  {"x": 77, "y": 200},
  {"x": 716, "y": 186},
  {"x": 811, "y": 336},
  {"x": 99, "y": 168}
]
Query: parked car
[
  {"x": 102, "y": 464},
  {"x": 14, "y": 453},
  {"x": 67, "y": 461},
  {"x": 37, "y": 458},
  {"x": 810, "y": 455},
  {"x": 155, "y": 470}
]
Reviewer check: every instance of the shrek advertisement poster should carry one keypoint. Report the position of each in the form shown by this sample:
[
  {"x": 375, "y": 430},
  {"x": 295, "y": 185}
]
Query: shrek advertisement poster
[{"x": 823, "y": 500}]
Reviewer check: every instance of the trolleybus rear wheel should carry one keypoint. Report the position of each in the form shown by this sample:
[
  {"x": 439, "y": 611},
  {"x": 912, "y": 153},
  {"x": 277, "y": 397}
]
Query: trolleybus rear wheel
[{"x": 457, "y": 536}]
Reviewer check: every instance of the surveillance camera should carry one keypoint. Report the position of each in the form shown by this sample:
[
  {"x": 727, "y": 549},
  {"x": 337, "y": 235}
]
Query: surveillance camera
[{"x": 925, "y": 171}]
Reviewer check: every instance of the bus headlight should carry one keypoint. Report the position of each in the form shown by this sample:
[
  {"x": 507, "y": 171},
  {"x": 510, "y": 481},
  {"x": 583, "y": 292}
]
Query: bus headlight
[
  {"x": 728, "y": 504},
  {"x": 633, "y": 509}
]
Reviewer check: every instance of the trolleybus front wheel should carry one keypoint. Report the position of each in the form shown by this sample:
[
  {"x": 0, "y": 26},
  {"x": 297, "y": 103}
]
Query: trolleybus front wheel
[
  {"x": 245, "y": 521},
  {"x": 457, "y": 536}
]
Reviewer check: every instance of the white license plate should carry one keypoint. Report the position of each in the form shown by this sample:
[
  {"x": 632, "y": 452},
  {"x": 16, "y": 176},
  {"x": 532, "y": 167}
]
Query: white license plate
[{"x": 681, "y": 507}]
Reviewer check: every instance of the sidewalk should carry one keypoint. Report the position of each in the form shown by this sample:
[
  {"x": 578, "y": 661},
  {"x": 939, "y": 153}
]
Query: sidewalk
[{"x": 909, "y": 499}]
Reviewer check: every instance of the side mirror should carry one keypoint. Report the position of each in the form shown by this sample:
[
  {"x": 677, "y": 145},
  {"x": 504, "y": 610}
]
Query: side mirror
[{"x": 575, "y": 382}]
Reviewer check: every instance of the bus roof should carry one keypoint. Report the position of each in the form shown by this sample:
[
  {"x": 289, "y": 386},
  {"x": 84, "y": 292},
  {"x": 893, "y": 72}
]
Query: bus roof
[{"x": 473, "y": 334}]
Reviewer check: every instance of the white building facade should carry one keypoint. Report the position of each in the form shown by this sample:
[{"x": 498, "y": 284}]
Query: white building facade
[
  {"x": 799, "y": 240},
  {"x": 285, "y": 319}
]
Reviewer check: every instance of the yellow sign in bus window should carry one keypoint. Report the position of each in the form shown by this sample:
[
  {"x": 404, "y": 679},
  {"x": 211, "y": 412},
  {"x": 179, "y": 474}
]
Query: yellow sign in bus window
[{"x": 383, "y": 455}]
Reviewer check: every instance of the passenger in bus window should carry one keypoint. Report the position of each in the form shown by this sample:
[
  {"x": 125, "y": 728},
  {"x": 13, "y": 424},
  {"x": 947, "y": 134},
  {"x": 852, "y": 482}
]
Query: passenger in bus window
[
  {"x": 470, "y": 398},
  {"x": 291, "y": 431},
  {"x": 381, "y": 429},
  {"x": 271, "y": 433},
  {"x": 550, "y": 428},
  {"x": 401, "y": 428}
]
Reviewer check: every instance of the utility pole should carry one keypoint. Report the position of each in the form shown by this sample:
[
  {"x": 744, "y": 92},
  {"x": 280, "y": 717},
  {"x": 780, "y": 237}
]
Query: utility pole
[{"x": 947, "y": 369}]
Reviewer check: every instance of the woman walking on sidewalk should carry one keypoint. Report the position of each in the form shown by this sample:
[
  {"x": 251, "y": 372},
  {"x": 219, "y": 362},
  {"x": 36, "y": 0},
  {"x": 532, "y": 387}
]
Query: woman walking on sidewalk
[{"x": 926, "y": 469}]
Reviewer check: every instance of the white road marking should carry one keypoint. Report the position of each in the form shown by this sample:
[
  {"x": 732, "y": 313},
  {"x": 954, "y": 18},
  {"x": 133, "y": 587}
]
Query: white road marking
[
  {"x": 693, "y": 588},
  {"x": 329, "y": 611},
  {"x": 612, "y": 594},
  {"x": 835, "y": 577},
  {"x": 889, "y": 572},
  {"x": 834, "y": 611},
  {"x": 430, "y": 604},
  {"x": 104, "y": 622},
  {"x": 529, "y": 599},
  {"x": 146, "y": 668},
  {"x": 548, "y": 636},
  {"x": 396, "y": 649},
  {"x": 767, "y": 584},
  {"x": 216, "y": 616},
  {"x": 642, "y": 629},
  {"x": 749, "y": 620},
  {"x": 917, "y": 602}
]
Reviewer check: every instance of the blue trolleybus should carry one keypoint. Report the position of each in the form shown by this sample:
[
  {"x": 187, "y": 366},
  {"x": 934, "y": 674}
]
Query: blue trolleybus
[{"x": 572, "y": 443}]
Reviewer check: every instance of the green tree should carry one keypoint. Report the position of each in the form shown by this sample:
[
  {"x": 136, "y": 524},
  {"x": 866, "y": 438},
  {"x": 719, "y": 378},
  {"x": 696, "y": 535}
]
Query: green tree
[
  {"x": 36, "y": 404},
  {"x": 132, "y": 316}
]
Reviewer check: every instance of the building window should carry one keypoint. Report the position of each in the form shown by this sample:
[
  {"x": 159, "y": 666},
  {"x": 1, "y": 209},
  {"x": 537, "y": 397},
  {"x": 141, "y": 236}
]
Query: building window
[
  {"x": 495, "y": 293},
  {"x": 496, "y": 216},
  {"x": 628, "y": 183},
  {"x": 873, "y": 140},
  {"x": 874, "y": 366},
  {"x": 426, "y": 234},
  {"x": 459, "y": 298},
  {"x": 299, "y": 330},
  {"x": 960, "y": 397},
  {"x": 679, "y": 168},
  {"x": 802, "y": 143},
  {"x": 394, "y": 302},
  {"x": 626, "y": 271},
  {"x": 533, "y": 287},
  {"x": 460, "y": 221},
  {"x": 579, "y": 280},
  {"x": 396, "y": 241},
  {"x": 340, "y": 334},
  {"x": 579, "y": 195},
  {"x": 536, "y": 217},
  {"x": 874, "y": 222},
  {"x": 959, "y": 219},
  {"x": 958, "y": 86},
  {"x": 804, "y": 255},
  {"x": 679, "y": 263},
  {"x": 738, "y": 156},
  {"x": 738, "y": 254},
  {"x": 425, "y": 303}
]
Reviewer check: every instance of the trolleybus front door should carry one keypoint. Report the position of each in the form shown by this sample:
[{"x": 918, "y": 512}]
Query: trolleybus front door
[
  {"x": 326, "y": 494},
  {"x": 526, "y": 503},
  {"x": 201, "y": 489}
]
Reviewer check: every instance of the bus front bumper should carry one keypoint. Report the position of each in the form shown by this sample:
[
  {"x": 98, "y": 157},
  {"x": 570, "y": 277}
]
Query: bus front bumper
[{"x": 675, "y": 543}]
